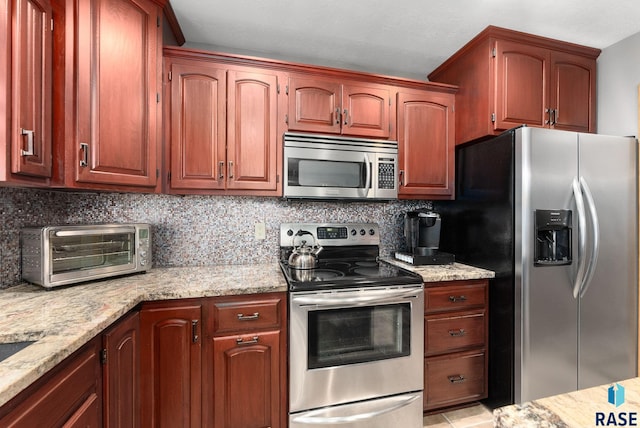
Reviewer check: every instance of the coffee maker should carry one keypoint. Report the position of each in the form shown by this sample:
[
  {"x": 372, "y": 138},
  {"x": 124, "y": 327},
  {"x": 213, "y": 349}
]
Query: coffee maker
[{"x": 422, "y": 238}]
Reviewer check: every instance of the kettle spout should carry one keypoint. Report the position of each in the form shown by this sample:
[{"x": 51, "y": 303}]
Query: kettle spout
[{"x": 317, "y": 250}]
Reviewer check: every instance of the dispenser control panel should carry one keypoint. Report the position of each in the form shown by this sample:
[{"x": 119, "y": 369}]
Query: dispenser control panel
[{"x": 552, "y": 237}]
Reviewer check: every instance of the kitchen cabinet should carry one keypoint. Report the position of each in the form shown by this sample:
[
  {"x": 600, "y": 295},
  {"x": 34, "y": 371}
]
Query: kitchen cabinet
[
  {"x": 121, "y": 373},
  {"x": 109, "y": 108},
  {"x": 426, "y": 127},
  {"x": 332, "y": 106},
  {"x": 456, "y": 343},
  {"x": 223, "y": 128},
  {"x": 170, "y": 354},
  {"x": 507, "y": 78},
  {"x": 26, "y": 29},
  {"x": 247, "y": 361},
  {"x": 69, "y": 395}
]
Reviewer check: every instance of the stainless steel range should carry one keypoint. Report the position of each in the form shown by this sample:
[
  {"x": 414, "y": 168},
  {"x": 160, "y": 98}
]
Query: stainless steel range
[{"x": 356, "y": 330}]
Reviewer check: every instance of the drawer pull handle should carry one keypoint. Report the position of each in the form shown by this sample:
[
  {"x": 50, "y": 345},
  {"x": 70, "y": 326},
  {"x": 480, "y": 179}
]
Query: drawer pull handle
[
  {"x": 243, "y": 317},
  {"x": 456, "y": 379},
  {"x": 454, "y": 299},
  {"x": 457, "y": 333},
  {"x": 241, "y": 341}
]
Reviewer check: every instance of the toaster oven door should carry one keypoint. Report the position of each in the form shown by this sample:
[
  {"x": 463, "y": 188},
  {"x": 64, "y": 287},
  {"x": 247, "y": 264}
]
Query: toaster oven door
[{"x": 83, "y": 254}]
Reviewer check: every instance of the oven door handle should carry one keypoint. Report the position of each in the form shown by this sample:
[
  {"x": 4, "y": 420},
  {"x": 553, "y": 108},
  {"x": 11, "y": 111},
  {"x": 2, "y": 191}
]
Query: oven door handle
[
  {"x": 364, "y": 298},
  {"x": 320, "y": 416},
  {"x": 101, "y": 231}
]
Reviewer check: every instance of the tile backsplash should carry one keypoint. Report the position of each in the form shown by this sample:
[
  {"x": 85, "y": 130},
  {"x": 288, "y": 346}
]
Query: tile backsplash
[{"x": 188, "y": 230}]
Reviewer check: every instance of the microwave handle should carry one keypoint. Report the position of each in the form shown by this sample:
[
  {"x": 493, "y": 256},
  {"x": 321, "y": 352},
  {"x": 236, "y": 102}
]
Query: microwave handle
[
  {"x": 367, "y": 185},
  {"x": 101, "y": 231}
]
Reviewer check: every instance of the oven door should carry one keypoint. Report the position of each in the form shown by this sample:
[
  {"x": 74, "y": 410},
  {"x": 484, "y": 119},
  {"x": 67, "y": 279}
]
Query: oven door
[
  {"x": 84, "y": 253},
  {"x": 339, "y": 173},
  {"x": 355, "y": 344}
]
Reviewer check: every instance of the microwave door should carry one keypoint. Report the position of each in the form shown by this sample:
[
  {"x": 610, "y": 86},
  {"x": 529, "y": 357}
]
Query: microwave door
[{"x": 326, "y": 173}]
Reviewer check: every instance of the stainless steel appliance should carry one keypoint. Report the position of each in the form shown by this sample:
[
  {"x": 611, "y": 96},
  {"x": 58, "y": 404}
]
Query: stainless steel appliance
[
  {"x": 356, "y": 333},
  {"x": 422, "y": 238},
  {"x": 554, "y": 214},
  {"x": 332, "y": 167},
  {"x": 60, "y": 255}
]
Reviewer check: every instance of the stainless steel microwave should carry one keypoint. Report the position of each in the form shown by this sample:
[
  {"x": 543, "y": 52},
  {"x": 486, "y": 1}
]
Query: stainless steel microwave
[
  {"x": 332, "y": 167},
  {"x": 61, "y": 255}
]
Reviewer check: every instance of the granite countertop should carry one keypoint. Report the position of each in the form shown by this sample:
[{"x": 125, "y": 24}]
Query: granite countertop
[
  {"x": 62, "y": 320},
  {"x": 573, "y": 409},
  {"x": 437, "y": 273}
]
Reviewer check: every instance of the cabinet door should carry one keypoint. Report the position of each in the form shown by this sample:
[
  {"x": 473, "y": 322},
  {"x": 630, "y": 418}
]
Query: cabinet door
[
  {"x": 121, "y": 373},
  {"x": 572, "y": 92},
  {"x": 252, "y": 138},
  {"x": 246, "y": 379},
  {"x": 365, "y": 111},
  {"x": 118, "y": 46},
  {"x": 198, "y": 124},
  {"x": 314, "y": 105},
  {"x": 426, "y": 145},
  {"x": 31, "y": 132},
  {"x": 521, "y": 85},
  {"x": 68, "y": 396},
  {"x": 171, "y": 371}
]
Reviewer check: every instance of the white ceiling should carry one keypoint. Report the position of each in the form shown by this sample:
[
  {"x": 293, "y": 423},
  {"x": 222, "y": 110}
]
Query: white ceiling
[{"x": 406, "y": 38}]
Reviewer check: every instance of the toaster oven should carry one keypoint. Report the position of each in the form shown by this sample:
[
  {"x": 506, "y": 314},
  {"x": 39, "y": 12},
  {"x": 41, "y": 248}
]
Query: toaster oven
[{"x": 61, "y": 255}]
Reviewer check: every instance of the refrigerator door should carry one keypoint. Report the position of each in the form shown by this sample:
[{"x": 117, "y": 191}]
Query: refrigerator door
[
  {"x": 546, "y": 313},
  {"x": 608, "y": 310}
]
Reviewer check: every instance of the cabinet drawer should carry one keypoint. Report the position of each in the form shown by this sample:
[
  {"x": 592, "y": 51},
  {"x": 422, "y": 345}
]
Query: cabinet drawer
[
  {"x": 444, "y": 334},
  {"x": 237, "y": 315},
  {"x": 460, "y": 296},
  {"x": 454, "y": 379}
]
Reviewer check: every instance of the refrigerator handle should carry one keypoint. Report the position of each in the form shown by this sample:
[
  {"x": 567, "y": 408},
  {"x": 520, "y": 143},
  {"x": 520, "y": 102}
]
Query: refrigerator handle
[
  {"x": 582, "y": 238},
  {"x": 595, "y": 229}
]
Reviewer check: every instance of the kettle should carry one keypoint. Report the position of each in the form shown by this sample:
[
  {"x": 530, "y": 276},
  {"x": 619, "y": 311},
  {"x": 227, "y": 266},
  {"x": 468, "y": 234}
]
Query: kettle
[{"x": 304, "y": 256}]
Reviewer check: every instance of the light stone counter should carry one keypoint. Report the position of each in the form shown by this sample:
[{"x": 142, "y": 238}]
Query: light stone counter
[
  {"x": 452, "y": 272},
  {"x": 584, "y": 408},
  {"x": 62, "y": 320}
]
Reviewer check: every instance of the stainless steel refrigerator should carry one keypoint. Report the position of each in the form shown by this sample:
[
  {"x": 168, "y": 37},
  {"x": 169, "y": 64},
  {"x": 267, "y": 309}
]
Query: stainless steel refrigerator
[{"x": 555, "y": 215}]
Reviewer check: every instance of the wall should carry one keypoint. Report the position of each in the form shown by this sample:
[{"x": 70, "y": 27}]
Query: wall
[
  {"x": 187, "y": 230},
  {"x": 617, "y": 87}
]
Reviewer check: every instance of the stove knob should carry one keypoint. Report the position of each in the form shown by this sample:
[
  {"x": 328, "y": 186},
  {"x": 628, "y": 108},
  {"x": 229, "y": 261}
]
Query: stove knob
[
  {"x": 363, "y": 232},
  {"x": 353, "y": 232},
  {"x": 289, "y": 232},
  {"x": 372, "y": 232}
]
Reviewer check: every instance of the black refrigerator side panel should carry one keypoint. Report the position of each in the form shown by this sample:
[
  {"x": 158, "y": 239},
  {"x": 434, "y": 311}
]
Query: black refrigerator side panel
[{"x": 478, "y": 227}]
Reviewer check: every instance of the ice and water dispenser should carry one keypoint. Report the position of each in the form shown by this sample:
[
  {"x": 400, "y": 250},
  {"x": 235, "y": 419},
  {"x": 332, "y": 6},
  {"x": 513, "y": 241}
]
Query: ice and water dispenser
[{"x": 553, "y": 237}]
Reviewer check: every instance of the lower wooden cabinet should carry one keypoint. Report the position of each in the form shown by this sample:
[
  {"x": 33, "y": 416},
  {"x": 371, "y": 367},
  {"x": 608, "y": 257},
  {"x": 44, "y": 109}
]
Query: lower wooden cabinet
[
  {"x": 246, "y": 357},
  {"x": 456, "y": 343},
  {"x": 170, "y": 376},
  {"x": 121, "y": 373},
  {"x": 69, "y": 396},
  {"x": 216, "y": 362}
]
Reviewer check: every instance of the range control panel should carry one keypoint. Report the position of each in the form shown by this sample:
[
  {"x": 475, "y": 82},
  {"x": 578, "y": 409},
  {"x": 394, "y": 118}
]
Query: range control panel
[{"x": 328, "y": 234}]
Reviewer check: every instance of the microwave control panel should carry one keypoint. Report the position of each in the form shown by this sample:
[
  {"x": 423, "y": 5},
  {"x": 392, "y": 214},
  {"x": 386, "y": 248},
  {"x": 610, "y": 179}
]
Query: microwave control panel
[{"x": 386, "y": 174}]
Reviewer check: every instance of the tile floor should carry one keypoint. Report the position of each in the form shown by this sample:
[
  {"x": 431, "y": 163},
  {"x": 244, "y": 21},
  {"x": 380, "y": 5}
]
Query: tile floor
[{"x": 477, "y": 416}]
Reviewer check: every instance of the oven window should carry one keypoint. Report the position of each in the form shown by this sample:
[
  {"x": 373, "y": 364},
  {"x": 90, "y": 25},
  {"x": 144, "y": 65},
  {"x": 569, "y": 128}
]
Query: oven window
[
  {"x": 74, "y": 253},
  {"x": 358, "y": 335},
  {"x": 324, "y": 173}
]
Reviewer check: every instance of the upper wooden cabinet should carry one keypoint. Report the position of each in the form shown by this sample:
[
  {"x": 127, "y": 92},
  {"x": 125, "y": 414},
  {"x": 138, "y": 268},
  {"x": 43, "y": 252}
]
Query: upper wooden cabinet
[
  {"x": 110, "y": 112},
  {"x": 426, "y": 127},
  {"x": 222, "y": 128},
  {"x": 331, "y": 106},
  {"x": 507, "y": 78},
  {"x": 25, "y": 91}
]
